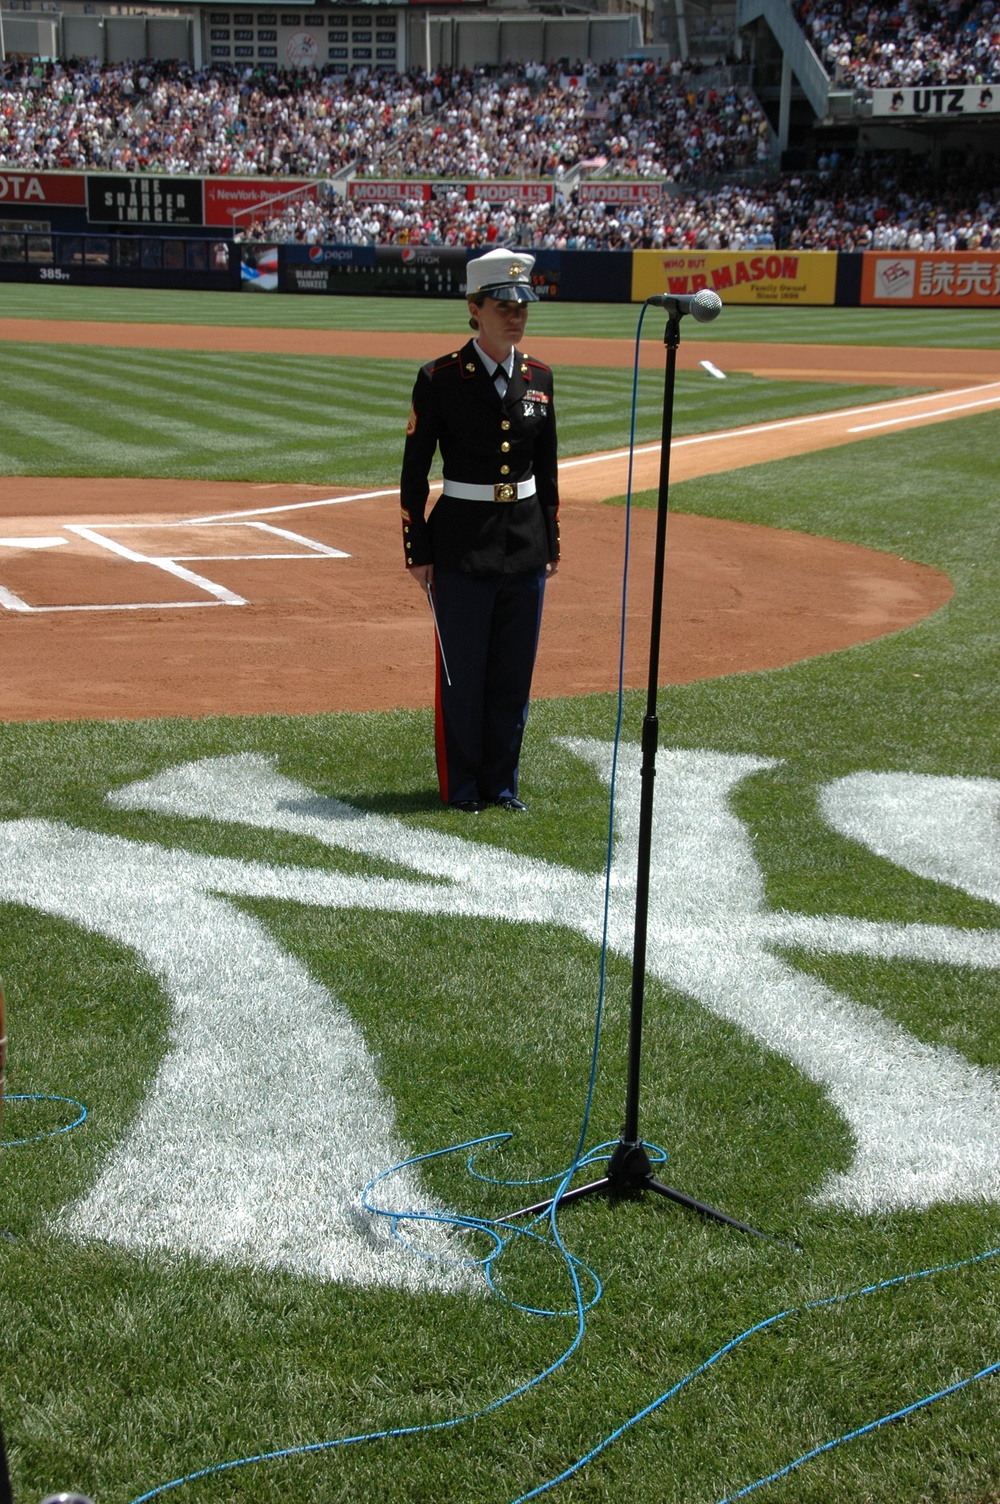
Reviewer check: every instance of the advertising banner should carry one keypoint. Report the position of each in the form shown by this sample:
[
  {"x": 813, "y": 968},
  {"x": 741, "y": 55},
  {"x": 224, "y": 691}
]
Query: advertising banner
[
  {"x": 931, "y": 279},
  {"x": 328, "y": 268},
  {"x": 259, "y": 267},
  {"x": 145, "y": 200},
  {"x": 501, "y": 192},
  {"x": 379, "y": 191},
  {"x": 757, "y": 277},
  {"x": 32, "y": 190},
  {"x": 232, "y": 201},
  {"x": 418, "y": 271},
  {"x": 620, "y": 193},
  {"x": 944, "y": 102}
]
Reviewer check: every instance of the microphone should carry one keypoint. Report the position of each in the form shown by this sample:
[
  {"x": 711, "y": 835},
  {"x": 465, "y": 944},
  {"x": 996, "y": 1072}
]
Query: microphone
[{"x": 703, "y": 306}]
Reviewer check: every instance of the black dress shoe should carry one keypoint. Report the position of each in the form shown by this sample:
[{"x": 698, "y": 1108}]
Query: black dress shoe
[
  {"x": 467, "y": 806},
  {"x": 516, "y": 806}
]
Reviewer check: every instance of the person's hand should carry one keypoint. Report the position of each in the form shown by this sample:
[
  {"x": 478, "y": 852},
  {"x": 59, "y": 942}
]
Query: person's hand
[
  {"x": 552, "y": 567},
  {"x": 423, "y": 574}
]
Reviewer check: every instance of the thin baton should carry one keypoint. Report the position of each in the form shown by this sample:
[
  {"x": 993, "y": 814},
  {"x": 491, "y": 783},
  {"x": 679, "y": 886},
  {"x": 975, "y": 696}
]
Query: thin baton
[{"x": 437, "y": 630}]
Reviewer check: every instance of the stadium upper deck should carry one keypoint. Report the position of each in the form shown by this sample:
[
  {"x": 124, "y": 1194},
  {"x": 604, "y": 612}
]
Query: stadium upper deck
[{"x": 707, "y": 141}]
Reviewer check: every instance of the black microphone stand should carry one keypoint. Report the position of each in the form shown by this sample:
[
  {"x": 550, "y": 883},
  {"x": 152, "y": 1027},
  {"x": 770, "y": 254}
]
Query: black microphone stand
[{"x": 630, "y": 1171}]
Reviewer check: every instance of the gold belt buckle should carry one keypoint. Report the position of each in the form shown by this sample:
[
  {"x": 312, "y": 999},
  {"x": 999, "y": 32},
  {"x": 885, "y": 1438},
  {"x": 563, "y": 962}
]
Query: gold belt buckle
[{"x": 505, "y": 491}]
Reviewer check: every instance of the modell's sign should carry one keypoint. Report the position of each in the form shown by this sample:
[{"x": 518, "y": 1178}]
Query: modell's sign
[
  {"x": 940, "y": 103},
  {"x": 35, "y": 188},
  {"x": 505, "y": 193},
  {"x": 387, "y": 193},
  {"x": 620, "y": 193}
]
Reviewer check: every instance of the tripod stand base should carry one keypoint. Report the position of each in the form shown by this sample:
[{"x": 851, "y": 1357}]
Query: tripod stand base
[{"x": 630, "y": 1173}]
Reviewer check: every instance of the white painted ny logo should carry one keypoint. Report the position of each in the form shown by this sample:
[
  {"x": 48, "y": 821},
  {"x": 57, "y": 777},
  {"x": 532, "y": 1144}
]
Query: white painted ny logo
[{"x": 266, "y": 1116}]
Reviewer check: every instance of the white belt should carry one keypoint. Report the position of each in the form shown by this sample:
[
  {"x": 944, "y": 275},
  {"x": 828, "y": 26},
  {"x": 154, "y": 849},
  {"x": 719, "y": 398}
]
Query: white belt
[{"x": 511, "y": 490}]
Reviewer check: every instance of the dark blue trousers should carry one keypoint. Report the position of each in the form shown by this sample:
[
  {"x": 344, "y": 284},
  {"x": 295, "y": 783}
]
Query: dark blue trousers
[{"x": 489, "y": 630}]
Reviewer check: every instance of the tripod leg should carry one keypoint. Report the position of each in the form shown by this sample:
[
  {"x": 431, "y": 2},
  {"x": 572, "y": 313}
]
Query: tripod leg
[
  {"x": 703, "y": 1210},
  {"x": 6, "y": 1494},
  {"x": 572, "y": 1195},
  {"x": 630, "y": 1173}
]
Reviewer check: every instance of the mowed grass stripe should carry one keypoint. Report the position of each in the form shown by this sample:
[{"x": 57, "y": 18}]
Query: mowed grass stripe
[
  {"x": 196, "y": 416},
  {"x": 293, "y": 381},
  {"x": 92, "y": 410},
  {"x": 137, "y": 424},
  {"x": 952, "y": 328}
]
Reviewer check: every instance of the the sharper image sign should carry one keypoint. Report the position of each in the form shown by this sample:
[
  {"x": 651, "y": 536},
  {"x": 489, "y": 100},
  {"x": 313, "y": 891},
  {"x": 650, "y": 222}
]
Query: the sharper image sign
[{"x": 152, "y": 200}]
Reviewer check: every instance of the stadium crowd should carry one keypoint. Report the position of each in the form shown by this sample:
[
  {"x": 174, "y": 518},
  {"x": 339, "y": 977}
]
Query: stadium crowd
[
  {"x": 530, "y": 121},
  {"x": 707, "y": 141},
  {"x": 874, "y": 203},
  {"x": 905, "y": 44}
]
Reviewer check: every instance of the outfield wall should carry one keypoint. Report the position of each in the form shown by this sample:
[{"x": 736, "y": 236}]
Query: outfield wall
[
  {"x": 155, "y": 230},
  {"x": 430, "y": 271},
  {"x": 34, "y": 252},
  {"x": 196, "y": 262},
  {"x": 760, "y": 278}
]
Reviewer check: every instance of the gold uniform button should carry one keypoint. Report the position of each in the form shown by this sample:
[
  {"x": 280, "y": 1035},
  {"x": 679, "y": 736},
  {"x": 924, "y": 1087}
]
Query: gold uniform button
[
  {"x": 505, "y": 424},
  {"x": 504, "y": 469},
  {"x": 505, "y": 446}
]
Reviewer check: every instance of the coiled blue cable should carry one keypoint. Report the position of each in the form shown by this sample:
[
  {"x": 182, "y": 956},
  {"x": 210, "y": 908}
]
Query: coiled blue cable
[{"x": 33, "y": 1096}]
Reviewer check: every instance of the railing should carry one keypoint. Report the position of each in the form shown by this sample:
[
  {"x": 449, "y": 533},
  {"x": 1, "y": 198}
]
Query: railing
[{"x": 795, "y": 46}]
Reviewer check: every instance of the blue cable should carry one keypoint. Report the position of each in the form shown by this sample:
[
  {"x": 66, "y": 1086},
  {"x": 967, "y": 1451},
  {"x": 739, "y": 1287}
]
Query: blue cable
[
  {"x": 490, "y": 1228},
  {"x": 580, "y": 1159},
  {"x": 884, "y": 1420},
  {"x": 616, "y": 744},
  {"x": 34, "y": 1096},
  {"x": 426, "y": 1428},
  {"x": 752, "y": 1331}
]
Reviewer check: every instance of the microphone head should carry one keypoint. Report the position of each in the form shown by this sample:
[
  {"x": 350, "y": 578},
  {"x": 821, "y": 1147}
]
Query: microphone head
[{"x": 706, "y": 306}]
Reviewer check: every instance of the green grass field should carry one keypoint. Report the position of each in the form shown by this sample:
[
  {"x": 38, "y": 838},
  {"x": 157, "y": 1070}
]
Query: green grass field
[
  {"x": 133, "y": 1357},
  {"x": 85, "y": 410},
  {"x": 946, "y": 328}
]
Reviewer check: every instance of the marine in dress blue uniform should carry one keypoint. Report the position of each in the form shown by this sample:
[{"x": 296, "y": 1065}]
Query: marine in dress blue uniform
[{"x": 491, "y": 540}]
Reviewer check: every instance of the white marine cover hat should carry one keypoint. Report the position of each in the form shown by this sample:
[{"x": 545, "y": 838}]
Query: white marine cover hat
[{"x": 502, "y": 274}]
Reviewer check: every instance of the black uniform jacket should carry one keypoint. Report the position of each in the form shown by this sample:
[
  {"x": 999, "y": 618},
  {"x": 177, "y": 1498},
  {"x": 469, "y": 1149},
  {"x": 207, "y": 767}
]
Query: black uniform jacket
[{"x": 485, "y": 439}]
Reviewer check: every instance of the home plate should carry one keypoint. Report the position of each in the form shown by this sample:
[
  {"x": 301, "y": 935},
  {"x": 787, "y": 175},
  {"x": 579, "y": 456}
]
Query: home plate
[
  {"x": 707, "y": 365},
  {"x": 31, "y": 542}
]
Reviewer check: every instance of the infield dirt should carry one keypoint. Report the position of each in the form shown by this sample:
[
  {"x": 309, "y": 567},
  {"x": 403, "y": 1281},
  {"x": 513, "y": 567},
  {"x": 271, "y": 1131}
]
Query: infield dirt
[{"x": 110, "y": 634}]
